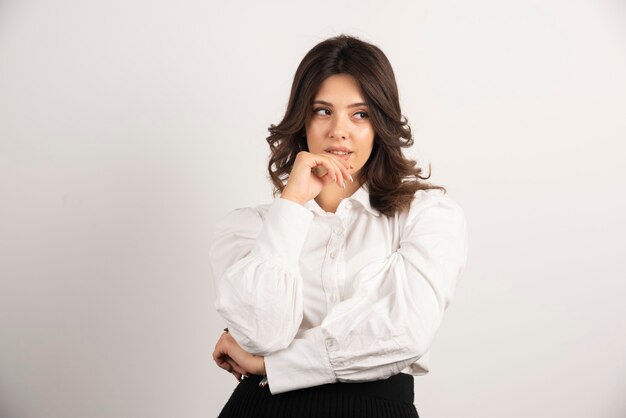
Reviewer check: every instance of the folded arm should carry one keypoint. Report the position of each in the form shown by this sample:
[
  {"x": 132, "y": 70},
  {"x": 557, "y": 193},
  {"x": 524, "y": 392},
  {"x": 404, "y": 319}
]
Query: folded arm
[
  {"x": 390, "y": 322},
  {"x": 258, "y": 282}
]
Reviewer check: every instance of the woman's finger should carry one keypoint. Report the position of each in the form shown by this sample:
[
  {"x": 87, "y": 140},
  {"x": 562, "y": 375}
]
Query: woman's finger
[
  {"x": 323, "y": 168},
  {"x": 341, "y": 170},
  {"x": 344, "y": 166},
  {"x": 319, "y": 171},
  {"x": 220, "y": 355},
  {"x": 224, "y": 364},
  {"x": 236, "y": 367},
  {"x": 323, "y": 175},
  {"x": 225, "y": 346},
  {"x": 332, "y": 170}
]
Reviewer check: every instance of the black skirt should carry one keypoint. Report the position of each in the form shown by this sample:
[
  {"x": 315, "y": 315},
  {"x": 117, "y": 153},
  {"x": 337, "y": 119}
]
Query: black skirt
[{"x": 392, "y": 397}]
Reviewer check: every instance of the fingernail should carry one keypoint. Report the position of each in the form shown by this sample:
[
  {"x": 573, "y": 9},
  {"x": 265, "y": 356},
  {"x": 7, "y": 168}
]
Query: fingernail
[
  {"x": 343, "y": 184},
  {"x": 351, "y": 179}
]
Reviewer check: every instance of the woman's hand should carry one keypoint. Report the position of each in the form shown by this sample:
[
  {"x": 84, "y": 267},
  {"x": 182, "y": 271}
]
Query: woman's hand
[
  {"x": 231, "y": 357},
  {"x": 311, "y": 172}
]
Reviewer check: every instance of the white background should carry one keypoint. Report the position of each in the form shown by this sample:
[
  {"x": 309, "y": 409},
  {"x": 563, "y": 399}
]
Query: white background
[{"x": 127, "y": 128}]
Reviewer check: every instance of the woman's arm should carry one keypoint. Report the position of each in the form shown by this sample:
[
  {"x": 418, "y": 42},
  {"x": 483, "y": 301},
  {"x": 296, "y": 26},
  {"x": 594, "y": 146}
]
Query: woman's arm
[
  {"x": 256, "y": 271},
  {"x": 255, "y": 262},
  {"x": 391, "y": 320}
]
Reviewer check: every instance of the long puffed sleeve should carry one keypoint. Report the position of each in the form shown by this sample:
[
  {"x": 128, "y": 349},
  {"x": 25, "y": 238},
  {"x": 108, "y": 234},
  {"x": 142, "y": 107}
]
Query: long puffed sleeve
[
  {"x": 390, "y": 320},
  {"x": 255, "y": 267}
]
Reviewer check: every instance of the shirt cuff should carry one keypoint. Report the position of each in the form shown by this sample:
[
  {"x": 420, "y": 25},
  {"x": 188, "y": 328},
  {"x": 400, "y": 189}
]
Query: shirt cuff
[
  {"x": 284, "y": 231},
  {"x": 305, "y": 363}
]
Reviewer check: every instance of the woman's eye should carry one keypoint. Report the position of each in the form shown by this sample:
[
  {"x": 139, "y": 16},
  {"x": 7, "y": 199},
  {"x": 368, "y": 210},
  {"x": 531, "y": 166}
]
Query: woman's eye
[
  {"x": 322, "y": 111},
  {"x": 317, "y": 111}
]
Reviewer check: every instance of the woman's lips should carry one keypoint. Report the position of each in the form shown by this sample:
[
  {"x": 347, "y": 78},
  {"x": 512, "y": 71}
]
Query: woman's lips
[{"x": 342, "y": 156}]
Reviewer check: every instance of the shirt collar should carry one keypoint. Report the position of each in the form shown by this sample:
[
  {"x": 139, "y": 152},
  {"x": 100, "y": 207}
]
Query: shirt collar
[{"x": 361, "y": 197}]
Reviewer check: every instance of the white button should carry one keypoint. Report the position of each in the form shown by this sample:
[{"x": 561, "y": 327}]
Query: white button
[
  {"x": 348, "y": 205},
  {"x": 333, "y": 298},
  {"x": 333, "y": 254},
  {"x": 330, "y": 343},
  {"x": 338, "y": 231}
]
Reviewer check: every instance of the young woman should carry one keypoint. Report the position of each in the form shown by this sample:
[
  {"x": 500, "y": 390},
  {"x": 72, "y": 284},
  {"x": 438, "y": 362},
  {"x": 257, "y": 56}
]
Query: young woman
[{"x": 333, "y": 293}]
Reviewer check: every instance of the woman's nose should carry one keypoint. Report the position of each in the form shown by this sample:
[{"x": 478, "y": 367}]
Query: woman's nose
[{"x": 339, "y": 128}]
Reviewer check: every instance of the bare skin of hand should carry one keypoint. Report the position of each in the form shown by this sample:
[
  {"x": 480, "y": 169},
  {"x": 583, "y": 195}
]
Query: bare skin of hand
[
  {"x": 231, "y": 357},
  {"x": 311, "y": 172}
]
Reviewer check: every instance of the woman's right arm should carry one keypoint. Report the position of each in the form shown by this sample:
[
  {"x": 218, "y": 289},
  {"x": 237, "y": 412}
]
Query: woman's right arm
[
  {"x": 255, "y": 261},
  {"x": 255, "y": 267}
]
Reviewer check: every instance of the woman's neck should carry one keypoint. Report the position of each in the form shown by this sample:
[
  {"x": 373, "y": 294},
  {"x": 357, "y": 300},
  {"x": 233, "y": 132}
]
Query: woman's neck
[{"x": 331, "y": 195}]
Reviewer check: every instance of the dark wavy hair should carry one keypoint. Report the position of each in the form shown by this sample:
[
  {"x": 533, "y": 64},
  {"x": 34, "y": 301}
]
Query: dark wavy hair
[{"x": 390, "y": 178}]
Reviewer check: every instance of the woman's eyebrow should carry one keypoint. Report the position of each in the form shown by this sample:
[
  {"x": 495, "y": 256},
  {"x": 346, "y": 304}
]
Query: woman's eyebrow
[{"x": 331, "y": 105}]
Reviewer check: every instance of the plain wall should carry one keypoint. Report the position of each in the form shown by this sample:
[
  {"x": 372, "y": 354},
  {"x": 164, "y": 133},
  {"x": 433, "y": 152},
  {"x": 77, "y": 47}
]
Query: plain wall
[{"x": 128, "y": 128}]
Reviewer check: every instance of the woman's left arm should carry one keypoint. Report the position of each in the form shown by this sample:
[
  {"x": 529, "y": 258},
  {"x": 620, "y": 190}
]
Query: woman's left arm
[{"x": 392, "y": 318}]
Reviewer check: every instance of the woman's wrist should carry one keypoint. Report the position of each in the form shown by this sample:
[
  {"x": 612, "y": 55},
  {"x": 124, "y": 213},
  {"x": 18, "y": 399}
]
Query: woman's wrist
[{"x": 292, "y": 198}]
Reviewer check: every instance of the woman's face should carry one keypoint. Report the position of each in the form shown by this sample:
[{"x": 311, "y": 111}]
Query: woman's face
[{"x": 340, "y": 122}]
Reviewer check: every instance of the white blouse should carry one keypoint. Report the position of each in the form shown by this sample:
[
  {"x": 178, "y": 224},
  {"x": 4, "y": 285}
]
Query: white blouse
[{"x": 348, "y": 296}]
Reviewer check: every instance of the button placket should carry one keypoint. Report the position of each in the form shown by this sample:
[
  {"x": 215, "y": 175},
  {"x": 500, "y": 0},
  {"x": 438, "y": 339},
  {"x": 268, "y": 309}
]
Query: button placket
[
  {"x": 337, "y": 242},
  {"x": 337, "y": 237},
  {"x": 331, "y": 266}
]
